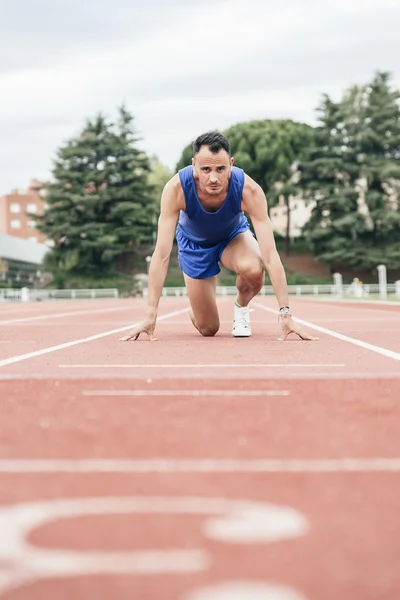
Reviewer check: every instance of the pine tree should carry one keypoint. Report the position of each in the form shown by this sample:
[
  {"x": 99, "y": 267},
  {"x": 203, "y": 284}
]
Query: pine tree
[
  {"x": 100, "y": 208},
  {"x": 353, "y": 176},
  {"x": 328, "y": 178},
  {"x": 379, "y": 148}
]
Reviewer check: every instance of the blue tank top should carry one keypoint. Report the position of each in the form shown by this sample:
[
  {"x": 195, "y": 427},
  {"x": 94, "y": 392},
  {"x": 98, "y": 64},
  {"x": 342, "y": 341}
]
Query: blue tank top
[{"x": 210, "y": 228}]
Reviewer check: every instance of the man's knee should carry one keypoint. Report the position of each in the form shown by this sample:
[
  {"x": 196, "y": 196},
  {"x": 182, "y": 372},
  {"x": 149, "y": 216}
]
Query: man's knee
[
  {"x": 251, "y": 270},
  {"x": 208, "y": 330}
]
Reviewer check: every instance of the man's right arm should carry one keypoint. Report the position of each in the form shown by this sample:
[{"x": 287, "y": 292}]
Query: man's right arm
[
  {"x": 170, "y": 207},
  {"x": 172, "y": 201}
]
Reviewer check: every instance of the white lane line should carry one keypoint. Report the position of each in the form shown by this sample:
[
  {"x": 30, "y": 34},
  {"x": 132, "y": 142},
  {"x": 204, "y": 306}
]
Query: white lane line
[
  {"x": 340, "y": 336},
  {"x": 207, "y": 465},
  {"x": 21, "y": 357},
  {"x": 276, "y": 375},
  {"x": 229, "y": 393},
  {"x": 204, "y": 366},
  {"x": 18, "y": 341},
  {"x": 245, "y": 590},
  {"x": 365, "y": 303},
  {"x": 65, "y": 314}
]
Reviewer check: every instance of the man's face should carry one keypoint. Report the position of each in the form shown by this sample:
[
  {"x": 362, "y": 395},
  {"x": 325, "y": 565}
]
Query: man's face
[{"x": 212, "y": 171}]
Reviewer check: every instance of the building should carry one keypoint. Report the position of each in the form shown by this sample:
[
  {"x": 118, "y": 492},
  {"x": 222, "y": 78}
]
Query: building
[
  {"x": 300, "y": 213},
  {"x": 20, "y": 262},
  {"x": 14, "y": 209}
]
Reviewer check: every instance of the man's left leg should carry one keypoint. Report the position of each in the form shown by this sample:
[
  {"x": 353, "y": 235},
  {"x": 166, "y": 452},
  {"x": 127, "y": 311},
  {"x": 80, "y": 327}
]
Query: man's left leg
[{"x": 242, "y": 255}]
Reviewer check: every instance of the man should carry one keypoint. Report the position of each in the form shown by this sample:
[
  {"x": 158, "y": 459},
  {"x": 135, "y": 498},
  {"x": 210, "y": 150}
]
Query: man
[{"x": 209, "y": 198}]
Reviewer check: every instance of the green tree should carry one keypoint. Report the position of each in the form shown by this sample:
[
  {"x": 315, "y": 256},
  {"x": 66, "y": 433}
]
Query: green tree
[
  {"x": 286, "y": 191},
  {"x": 379, "y": 151},
  {"x": 99, "y": 205},
  {"x": 352, "y": 174},
  {"x": 328, "y": 178},
  {"x": 268, "y": 150}
]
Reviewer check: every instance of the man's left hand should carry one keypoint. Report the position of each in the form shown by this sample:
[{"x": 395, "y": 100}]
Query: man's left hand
[{"x": 289, "y": 326}]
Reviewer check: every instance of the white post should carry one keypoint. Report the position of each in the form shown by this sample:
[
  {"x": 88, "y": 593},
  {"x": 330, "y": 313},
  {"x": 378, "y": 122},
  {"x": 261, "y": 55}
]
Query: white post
[
  {"x": 382, "y": 282},
  {"x": 25, "y": 296},
  {"x": 338, "y": 281},
  {"x": 148, "y": 261},
  {"x": 397, "y": 288},
  {"x": 358, "y": 288}
]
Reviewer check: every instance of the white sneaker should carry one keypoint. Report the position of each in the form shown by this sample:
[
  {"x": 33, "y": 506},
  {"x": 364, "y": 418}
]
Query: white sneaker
[{"x": 241, "y": 321}]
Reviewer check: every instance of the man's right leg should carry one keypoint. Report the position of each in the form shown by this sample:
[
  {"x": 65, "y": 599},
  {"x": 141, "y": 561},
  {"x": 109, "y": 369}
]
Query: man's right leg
[{"x": 202, "y": 297}]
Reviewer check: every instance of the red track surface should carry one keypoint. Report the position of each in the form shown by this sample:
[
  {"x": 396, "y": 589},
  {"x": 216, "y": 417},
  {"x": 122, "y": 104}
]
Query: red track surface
[{"x": 198, "y": 468}]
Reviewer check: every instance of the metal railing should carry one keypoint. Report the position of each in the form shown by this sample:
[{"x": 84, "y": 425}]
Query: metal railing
[
  {"x": 26, "y": 295},
  {"x": 347, "y": 291},
  {"x": 300, "y": 290}
]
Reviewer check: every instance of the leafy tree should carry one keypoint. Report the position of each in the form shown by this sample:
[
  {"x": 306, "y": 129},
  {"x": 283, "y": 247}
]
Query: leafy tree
[
  {"x": 264, "y": 149},
  {"x": 99, "y": 206},
  {"x": 268, "y": 150}
]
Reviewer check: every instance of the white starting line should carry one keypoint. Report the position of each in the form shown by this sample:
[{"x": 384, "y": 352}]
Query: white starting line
[
  {"x": 205, "y": 465},
  {"x": 75, "y": 313},
  {"x": 91, "y": 338},
  {"x": 228, "y": 393},
  {"x": 340, "y": 336},
  {"x": 208, "y": 366}
]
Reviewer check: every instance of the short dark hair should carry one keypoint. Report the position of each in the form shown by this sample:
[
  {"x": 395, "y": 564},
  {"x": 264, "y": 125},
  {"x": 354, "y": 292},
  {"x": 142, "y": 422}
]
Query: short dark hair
[{"x": 214, "y": 140}]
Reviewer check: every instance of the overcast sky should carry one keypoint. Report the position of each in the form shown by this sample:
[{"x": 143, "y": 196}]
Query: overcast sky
[{"x": 182, "y": 67}]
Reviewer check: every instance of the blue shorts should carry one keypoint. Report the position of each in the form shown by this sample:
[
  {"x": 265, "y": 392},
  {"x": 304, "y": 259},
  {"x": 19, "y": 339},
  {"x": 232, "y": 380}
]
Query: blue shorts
[{"x": 199, "y": 262}]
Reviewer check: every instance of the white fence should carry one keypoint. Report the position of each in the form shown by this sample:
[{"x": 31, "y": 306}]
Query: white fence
[
  {"x": 349, "y": 291},
  {"x": 368, "y": 289},
  {"x": 26, "y": 295}
]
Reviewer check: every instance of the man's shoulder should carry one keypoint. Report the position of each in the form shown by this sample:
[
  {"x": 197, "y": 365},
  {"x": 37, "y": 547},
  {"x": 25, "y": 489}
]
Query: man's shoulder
[
  {"x": 250, "y": 186},
  {"x": 173, "y": 184},
  {"x": 173, "y": 191}
]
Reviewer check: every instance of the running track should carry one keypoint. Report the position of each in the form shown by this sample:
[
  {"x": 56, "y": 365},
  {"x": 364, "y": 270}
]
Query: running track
[{"x": 199, "y": 468}]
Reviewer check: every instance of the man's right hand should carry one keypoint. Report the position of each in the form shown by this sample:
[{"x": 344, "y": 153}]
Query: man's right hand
[{"x": 148, "y": 326}]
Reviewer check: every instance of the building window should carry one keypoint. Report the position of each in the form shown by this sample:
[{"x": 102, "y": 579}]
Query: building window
[
  {"x": 32, "y": 224},
  {"x": 15, "y": 207},
  {"x": 15, "y": 224},
  {"x": 31, "y": 208}
]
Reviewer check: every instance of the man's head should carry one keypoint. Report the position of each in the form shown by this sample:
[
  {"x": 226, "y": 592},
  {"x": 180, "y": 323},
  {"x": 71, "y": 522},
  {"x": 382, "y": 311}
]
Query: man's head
[{"x": 212, "y": 162}]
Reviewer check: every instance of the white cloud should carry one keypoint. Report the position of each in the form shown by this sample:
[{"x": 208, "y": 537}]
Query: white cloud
[{"x": 181, "y": 68}]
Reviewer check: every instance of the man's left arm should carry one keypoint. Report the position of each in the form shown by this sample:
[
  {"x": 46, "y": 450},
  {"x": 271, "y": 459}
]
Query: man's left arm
[{"x": 254, "y": 203}]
